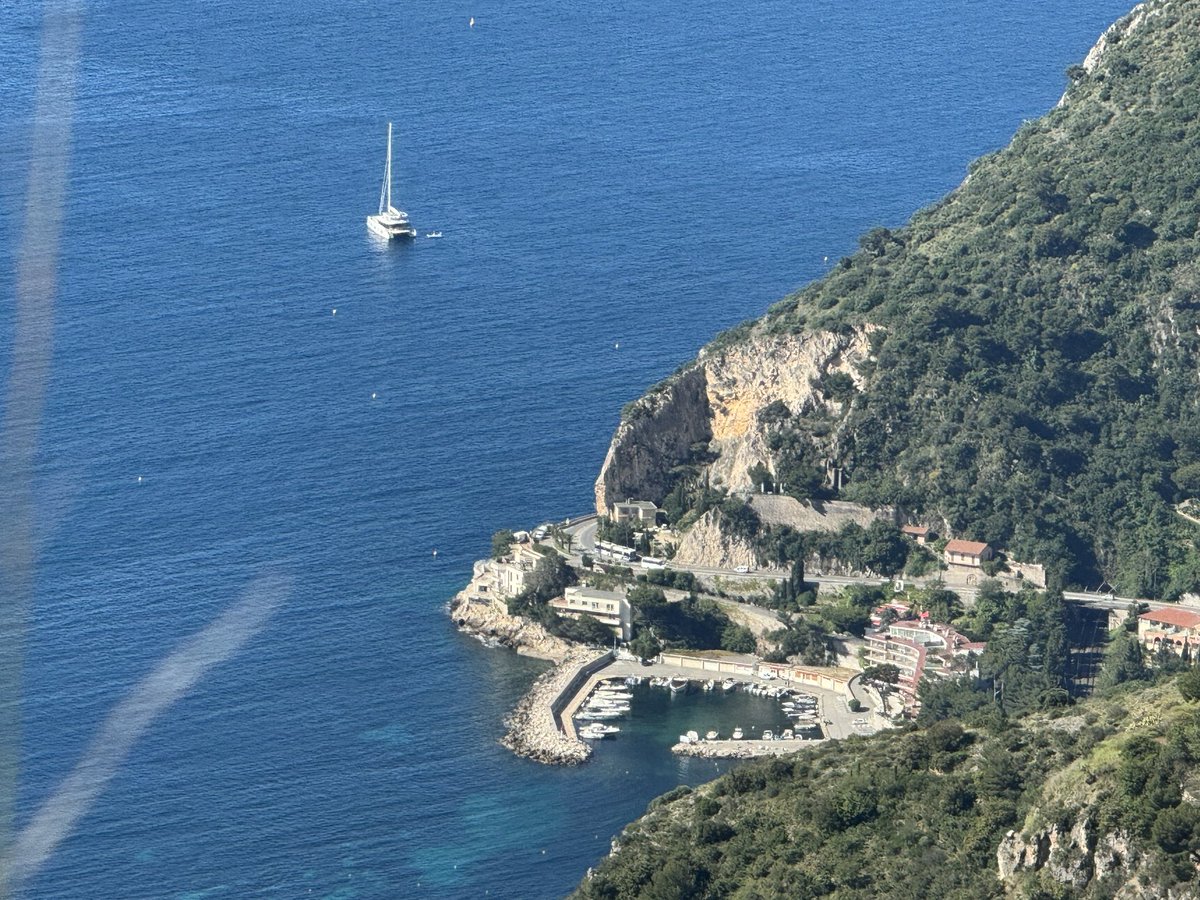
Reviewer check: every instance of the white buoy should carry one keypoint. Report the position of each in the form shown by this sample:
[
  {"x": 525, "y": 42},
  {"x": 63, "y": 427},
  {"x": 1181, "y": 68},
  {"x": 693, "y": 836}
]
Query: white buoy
[
  {"x": 435, "y": 551},
  {"x": 335, "y": 310},
  {"x": 139, "y": 479},
  {"x": 617, "y": 345},
  {"x": 372, "y": 395}
]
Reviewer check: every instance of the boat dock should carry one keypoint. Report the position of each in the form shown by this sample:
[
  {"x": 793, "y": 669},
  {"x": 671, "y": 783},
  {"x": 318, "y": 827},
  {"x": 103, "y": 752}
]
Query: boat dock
[{"x": 542, "y": 726}]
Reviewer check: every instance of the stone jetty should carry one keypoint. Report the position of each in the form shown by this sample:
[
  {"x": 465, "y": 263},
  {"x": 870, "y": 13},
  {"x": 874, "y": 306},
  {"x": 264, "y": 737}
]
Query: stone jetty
[
  {"x": 741, "y": 749},
  {"x": 533, "y": 726}
]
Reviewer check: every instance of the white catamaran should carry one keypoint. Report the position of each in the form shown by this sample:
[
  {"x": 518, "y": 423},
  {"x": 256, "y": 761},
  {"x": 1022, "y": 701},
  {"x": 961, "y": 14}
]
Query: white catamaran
[{"x": 390, "y": 222}]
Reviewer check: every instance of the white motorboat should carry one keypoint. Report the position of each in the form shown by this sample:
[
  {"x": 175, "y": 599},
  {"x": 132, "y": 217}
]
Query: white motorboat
[
  {"x": 709, "y": 685},
  {"x": 737, "y": 733},
  {"x": 593, "y": 733},
  {"x": 389, "y": 222},
  {"x": 768, "y": 734},
  {"x": 612, "y": 697},
  {"x": 788, "y": 734},
  {"x": 679, "y": 685},
  {"x": 710, "y": 736},
  {"x": 433, "y": 234},
  {"x": 693, "y": 737},
  {"x": 601, "y": 706},
  {"x": 595, "y": 715},
  {"x": 605, "y": 729},
  {"x": 728, "y": 684}
]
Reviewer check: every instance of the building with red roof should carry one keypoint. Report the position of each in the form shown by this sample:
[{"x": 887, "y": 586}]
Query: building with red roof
[
  {"x": 1170, "y": 628},
  {"x": 968, "y": 553}
]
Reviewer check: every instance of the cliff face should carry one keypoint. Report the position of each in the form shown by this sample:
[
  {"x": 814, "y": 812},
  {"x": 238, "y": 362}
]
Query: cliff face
[
  {"x": 1021, "y": 356},
  {"x": 718, "y": 402},
  {"x": 656, "y": 435},
  {"x": 705, "y": 544}
]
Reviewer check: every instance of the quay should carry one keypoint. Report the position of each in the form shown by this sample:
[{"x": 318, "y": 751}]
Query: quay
[{"x": 542, "y": 726}]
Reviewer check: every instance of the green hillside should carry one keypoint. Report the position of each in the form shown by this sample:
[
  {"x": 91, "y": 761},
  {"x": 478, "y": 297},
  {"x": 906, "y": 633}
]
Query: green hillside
[
  {"x": 922, "y": 814},
  {"x": 1035, "y": 380}
]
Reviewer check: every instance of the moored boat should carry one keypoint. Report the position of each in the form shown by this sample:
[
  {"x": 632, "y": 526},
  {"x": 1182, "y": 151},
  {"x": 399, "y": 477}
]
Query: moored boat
[
  {"x": 389, "y": 222},
  {"x": 737, "y": 733}
]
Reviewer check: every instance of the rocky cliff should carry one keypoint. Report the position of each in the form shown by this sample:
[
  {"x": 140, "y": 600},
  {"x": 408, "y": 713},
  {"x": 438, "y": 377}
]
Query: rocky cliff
[
  {"x": 705, "y": 544},
  {"x": 479, "y": 611},
  {"x": 1017, "y": 362},
  {"x": 717, "y": 403}
]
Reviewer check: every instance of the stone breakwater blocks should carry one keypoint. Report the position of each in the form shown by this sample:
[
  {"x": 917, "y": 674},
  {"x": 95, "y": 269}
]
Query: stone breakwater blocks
[{"x": 533, "y": 732}]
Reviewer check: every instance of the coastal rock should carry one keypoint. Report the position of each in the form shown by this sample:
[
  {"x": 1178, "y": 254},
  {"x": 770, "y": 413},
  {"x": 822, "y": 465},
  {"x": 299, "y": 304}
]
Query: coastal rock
[
  {"x": 478, "y": 610},
  {"x": 656, "y": 434},
  {"x": 717, "y": 401}
]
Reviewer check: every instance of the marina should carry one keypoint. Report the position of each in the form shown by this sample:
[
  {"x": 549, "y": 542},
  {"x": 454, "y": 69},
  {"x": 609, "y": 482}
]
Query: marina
[{"x": 581, "y": 702}]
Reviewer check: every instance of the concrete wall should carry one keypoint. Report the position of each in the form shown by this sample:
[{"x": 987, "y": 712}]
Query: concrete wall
[{"x": 568, "y": 693}]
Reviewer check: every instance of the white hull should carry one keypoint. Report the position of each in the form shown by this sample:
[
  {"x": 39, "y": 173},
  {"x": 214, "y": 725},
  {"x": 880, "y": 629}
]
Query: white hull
[{"x": 377, "y": 225}]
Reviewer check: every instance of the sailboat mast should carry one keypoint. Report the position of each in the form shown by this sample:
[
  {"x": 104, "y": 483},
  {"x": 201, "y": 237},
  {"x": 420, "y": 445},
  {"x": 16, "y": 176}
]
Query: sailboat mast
[{"x": 389, "y": 167}]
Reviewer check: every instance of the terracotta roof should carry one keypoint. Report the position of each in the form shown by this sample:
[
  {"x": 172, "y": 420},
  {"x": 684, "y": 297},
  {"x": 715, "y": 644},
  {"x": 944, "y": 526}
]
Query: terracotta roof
[
  {"x": 970, "y": 548},
  {"x": 914, "y": 529},
  {"x": 1180, "y": 618}
]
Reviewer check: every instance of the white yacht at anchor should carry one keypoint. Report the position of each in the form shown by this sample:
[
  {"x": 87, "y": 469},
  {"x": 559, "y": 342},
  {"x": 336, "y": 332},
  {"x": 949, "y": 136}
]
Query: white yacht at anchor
[{"x": 389, "y": 222}]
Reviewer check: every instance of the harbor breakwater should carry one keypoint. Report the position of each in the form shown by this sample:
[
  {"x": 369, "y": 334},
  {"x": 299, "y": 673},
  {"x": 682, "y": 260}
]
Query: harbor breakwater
[
  {"x": 742, "y": 749},
  {"x": 534, "y": 728}
]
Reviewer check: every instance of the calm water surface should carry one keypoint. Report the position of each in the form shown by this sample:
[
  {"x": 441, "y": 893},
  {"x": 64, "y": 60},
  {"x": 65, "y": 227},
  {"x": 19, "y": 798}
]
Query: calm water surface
[{"x": 627, "y": 172}]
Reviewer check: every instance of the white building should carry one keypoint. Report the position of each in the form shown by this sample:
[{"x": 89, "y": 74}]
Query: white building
[
  {"x": 642, "y": 511},
  {"x": 608, "y": 607}
]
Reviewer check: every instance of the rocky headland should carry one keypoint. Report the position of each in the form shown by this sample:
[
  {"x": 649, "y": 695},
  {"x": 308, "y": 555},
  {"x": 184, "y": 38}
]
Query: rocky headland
[{"x": 480, "y": 611}]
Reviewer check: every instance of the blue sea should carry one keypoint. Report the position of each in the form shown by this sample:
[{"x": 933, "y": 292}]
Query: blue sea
[{"x": 632, "y": 174}]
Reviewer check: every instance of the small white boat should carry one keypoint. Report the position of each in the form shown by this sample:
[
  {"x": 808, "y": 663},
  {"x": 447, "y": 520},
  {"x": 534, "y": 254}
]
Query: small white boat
[
  {"x": 389, "y": 222},
  {"x": 768, "y": 734},
  {"x": 710, "y": 736},
  {"x": 678, "y": 685},
  {"x": 737, "y": 733},
  {"x": 593, "y": 733},
  {"x": 684, "y": 739},
  {"x": 788, "y": 734},
  {"x": 693, "y": 737},
  {"x": 728, "y": 684},
  {"x": 709, "y": 685},
  {"x": 603, "y": 729},
  {"x": 590, "y": 715},
  {"x": 433, "y": 234}
]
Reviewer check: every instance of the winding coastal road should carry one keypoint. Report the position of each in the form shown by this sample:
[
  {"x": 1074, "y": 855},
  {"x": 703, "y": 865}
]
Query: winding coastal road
[{"x": 583, "y": 531}]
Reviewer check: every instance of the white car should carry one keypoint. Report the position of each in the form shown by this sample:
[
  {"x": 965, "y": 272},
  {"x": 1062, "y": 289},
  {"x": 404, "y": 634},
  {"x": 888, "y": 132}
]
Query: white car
[{"x": 742, "y": 570}]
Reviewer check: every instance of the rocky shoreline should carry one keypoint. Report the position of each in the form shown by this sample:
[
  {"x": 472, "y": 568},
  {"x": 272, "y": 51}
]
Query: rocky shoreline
[
  {"x": 533, "y": 730},
  {"x": 479, "y": 612}
]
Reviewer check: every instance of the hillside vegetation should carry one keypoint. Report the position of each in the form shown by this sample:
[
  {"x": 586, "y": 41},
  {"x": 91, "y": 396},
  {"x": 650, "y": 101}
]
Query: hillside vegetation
[
  {"x": 1108, "y": 789},
  {"x": 1035, "y": 359}
]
